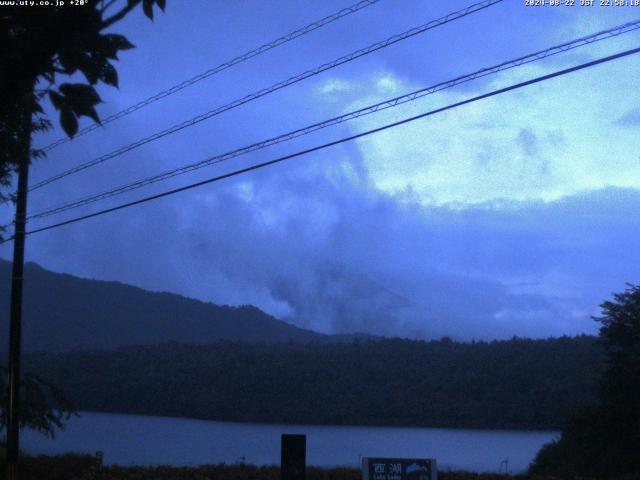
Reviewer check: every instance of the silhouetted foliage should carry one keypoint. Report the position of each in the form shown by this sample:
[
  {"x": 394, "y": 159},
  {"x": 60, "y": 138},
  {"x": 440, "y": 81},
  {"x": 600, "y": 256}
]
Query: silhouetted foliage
[
  {"x": 603, "y": 441},
  {"x": 501, "y": 384},
  {"x": 39, "y": 43},
  {"x": 43, "y": 408}
]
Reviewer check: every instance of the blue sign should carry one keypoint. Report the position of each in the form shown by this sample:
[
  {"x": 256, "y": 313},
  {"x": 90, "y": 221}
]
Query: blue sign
[{"x": 399, "y": 469}]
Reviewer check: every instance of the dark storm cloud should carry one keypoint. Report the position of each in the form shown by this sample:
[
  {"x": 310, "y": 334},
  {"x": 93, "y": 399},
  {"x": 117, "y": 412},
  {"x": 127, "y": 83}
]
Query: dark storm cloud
[{"x": 317, "y": 245}]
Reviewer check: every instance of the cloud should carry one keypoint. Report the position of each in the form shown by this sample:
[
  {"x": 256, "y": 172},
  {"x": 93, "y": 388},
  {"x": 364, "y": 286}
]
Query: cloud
[
  {"x": 335, "y": 85},
  {"x": 542, "y": 142},
  {"x": 528, "y": 142},
  {"x": 630, "y": 118},
  {"x": 318, "y": 244},
  {"x": 510, "y": 216}
]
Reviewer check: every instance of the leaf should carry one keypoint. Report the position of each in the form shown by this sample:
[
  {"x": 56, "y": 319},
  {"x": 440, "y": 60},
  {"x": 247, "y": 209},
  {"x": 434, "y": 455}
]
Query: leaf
[
  {"x": 80, "y": 94},
  {"x": 68, "y": 121},
  {"x": 109, "y": 75},
  {"x": 147, "y": 7},
  {"x": 37, "y": 153},
  {"x": 36, "y": 107},
  {"x": 112, "y": 43},
  {"x": 56, "y": 99},
  {"x": 87, "y": 112},
  {"x": 91, "y": 71},
  {"x": 162, "y": 4},
  {"x": 80, "y": 100},
  {"x": 40, "y": 125},
  {"x": 69, "y": 60}
]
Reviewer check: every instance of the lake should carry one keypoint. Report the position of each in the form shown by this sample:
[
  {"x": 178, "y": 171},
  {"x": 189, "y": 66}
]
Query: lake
[{"x": 146, "y": 440}]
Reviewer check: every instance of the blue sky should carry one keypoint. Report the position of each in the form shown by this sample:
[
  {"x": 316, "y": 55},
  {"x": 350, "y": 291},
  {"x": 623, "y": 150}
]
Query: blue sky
[{"x": 511, "y": 216}]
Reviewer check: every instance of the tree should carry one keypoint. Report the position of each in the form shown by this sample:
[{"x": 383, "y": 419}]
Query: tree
[
  {"x": 38, "y": 43},
  {"x": 604, "y": 440},
  {"x": 44, "y": 406}
]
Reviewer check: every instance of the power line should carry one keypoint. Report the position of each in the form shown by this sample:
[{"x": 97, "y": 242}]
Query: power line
[
  {"x": 273, "y": 88},
  {"x": 337, "y": 142},
  {"x": 539, "y": 55},
  {"x": 223, "y": 66}
]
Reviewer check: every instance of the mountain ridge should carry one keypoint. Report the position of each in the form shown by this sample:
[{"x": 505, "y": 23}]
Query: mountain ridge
[{"x": 63, "y": 312}]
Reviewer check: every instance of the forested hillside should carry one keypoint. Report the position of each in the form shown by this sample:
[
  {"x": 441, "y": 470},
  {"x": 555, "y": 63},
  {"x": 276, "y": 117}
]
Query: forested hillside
[
  {"x": 527, "y": 384},
  {"x": 64, "y": 312}
]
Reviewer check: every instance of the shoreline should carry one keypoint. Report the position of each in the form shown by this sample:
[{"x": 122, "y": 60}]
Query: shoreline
[
  {"x": 129, "y": 439},
  {"x": 328, "y": 425}
]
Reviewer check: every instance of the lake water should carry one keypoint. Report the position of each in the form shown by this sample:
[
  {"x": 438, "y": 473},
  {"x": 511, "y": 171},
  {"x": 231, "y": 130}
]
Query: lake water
[{"x": 145, "y": 440}]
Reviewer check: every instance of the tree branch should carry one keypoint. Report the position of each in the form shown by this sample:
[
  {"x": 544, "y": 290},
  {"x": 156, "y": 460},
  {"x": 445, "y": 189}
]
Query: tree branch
[
  {"x": 120, "y": 15},
  {"x": 105, "y": 6}
]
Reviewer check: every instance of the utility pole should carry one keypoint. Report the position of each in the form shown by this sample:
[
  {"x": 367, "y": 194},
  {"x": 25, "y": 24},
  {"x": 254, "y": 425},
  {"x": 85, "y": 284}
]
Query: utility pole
[{"x": 15, "y": 326}]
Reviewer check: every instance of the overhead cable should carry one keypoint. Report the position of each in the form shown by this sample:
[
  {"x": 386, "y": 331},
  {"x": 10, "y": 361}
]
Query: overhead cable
[
  {"x": 273, "y": 88},
  {"x": 337, "y": 142},
  {"x": 393, "y": 102}
]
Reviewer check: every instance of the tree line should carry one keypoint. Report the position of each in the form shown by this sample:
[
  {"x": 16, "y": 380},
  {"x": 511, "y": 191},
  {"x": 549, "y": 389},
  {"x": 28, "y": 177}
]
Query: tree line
[
  {"x": 520, "y": 383},
  {"x": 602, "y": 439}
]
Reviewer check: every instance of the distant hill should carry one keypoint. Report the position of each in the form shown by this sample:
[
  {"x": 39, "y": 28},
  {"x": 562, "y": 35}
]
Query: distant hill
[{"x": 64, "y": 312}]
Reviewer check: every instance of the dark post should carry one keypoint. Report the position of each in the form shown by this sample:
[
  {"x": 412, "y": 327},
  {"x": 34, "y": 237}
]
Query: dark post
[
  {"x": 15, "y": 328},
  {"x": 293, "y": 460}
]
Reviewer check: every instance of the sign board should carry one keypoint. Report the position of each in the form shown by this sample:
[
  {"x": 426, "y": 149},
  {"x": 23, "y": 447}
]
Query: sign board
[
  {"x": 399, "y": 469},
  {"x": 293, "y": 457}
]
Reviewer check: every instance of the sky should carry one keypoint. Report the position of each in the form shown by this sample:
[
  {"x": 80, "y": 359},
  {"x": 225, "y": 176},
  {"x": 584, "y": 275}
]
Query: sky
[{"x": 515, "y": 215}]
